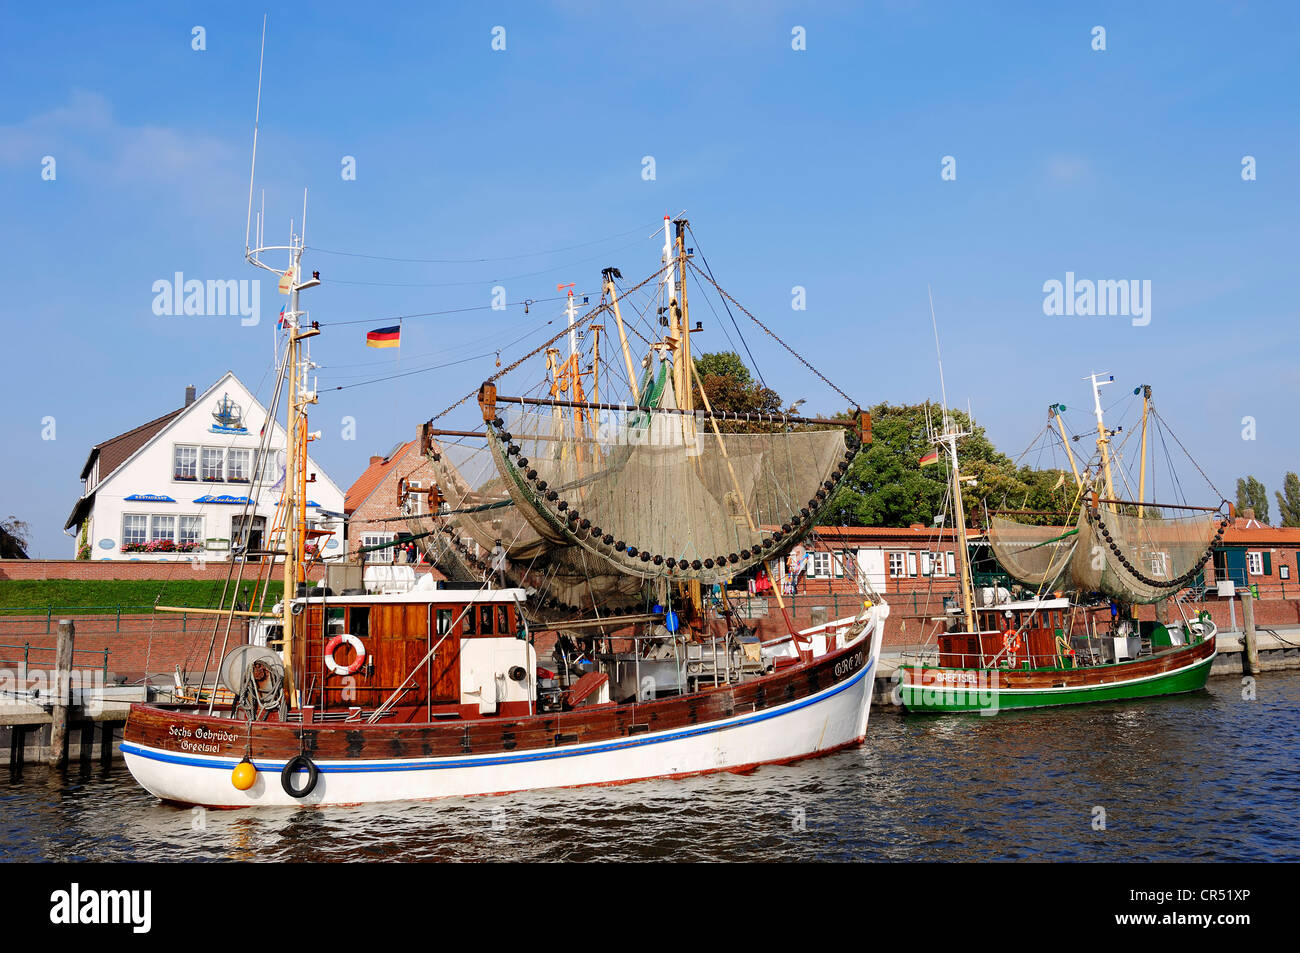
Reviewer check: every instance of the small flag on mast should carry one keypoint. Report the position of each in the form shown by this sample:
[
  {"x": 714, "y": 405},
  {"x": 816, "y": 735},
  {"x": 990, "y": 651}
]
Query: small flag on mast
[
  {"x": 929, "y": 458},
  {"x": 281, "y": 324},
  {"x": 385, "y": 337}
]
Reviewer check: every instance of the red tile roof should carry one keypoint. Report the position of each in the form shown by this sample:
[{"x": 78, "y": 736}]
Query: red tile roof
[
  {"x": 1254, "y": 533},
  {"x": 859, "y": 533},
  {"x": 374, "y": 474}
]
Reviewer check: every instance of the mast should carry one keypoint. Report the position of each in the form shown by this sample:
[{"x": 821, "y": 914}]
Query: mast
[
  {"x": 685, "y": 398},
  {"x": 608, "y": 275},
  {"x": 949, "y": 439},
  {"x": 291, "y": 484},
  {"x": 1142, "y": 477},
  {"x": 1103, "y": 436},
  {"x": 1055, "y": 411}
]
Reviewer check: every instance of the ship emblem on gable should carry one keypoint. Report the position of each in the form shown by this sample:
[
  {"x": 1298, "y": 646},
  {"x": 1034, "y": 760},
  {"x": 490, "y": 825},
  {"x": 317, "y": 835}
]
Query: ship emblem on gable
[{"x": 229, "y": 417}]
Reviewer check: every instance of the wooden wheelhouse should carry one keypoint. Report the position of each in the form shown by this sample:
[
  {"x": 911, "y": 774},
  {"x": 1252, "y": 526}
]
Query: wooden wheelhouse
[
  {"x": 1029, "y": 634},
  {"x": 421, "y": 656}
]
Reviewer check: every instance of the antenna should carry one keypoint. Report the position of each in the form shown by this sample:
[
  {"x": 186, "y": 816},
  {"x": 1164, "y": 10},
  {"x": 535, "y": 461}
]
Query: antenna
[
  {"x": 257, "y": 117},
  {"x": 943, "y": 389}
]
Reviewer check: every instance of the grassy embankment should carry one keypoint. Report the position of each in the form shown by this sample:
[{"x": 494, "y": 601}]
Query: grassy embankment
[{"x": 96, "y": 596}]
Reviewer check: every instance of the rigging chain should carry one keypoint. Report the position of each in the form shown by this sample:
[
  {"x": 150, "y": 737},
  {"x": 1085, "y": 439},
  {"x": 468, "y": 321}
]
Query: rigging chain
[{"x": 772, "y": 334}]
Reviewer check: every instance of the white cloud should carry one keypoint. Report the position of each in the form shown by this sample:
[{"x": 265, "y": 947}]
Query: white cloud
[
  {"x": 1069, "y": 169},
  {"x": 90, "y": 143}
]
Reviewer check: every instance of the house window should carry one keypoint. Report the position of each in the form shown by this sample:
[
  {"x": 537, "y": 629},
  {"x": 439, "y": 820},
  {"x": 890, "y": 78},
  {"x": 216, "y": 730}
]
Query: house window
[
  {"x": 237, "y": 466},
  {"x": 932, "y": 564},
  {"x": 898, "y": 565},
  {"x": 820, "y": 566},
  {"x": 378, "y": 539},
  {"x": 212, "y": 460},
  {"x": 1159, "y": 565},
  {"x": 190, "y": 531},
  {"x": 270, "y": 466},
  {"x": 186, "y": 463},
  {"x": 135, "y": 529},
  {"x": 162, "y": 528},
  {"x": 1255, "y": 564}
]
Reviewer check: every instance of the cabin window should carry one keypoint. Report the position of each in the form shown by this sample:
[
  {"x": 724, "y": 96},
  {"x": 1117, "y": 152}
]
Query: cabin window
[
  {"x": 443, "y": 621},
  {"x": 186, "y": 463},
  {"x": 1255, "y": 564},
  {"x": 485, "y": 620},
  {"x": 470, "y": 626},
  {"x": 359, "y": 621},
  {"x": 503, "y": 620}
]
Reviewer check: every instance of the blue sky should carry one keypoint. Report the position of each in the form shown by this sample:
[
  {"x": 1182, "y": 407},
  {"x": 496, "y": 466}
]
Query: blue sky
[{"x": 818, "y": 168}]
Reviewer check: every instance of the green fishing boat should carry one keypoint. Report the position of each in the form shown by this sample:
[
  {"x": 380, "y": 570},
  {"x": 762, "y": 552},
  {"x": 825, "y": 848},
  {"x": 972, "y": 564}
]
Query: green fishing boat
[{"x": 1077, "y": 636}]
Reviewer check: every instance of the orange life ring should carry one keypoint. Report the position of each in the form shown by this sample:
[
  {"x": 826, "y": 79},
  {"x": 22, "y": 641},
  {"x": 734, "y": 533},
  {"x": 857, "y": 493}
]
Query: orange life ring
[{"x": 357, "y": 647}]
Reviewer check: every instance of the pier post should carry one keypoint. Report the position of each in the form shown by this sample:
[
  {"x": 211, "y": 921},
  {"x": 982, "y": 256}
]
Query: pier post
[
  {"x": 1249, "y": 650},
  {"x": 61, "y": 689}
]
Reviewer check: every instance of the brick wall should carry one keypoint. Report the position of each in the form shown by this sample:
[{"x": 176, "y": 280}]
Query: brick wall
[
  {"x": 382, "y": 505},
  {"x": 153, "y": 643}
]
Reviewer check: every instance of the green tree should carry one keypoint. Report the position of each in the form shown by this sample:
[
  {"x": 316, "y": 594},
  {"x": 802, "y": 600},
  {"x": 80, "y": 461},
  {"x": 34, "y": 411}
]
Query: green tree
[
  {"x": 1251, "y": 494},
  {"x": 1288, "y": 501},
  {"x": 730, "y": 386},
  {"x": 887, "y": 486}
]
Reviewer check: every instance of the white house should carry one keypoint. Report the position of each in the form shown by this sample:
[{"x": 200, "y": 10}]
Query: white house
[{"x": 182, "y": 485}]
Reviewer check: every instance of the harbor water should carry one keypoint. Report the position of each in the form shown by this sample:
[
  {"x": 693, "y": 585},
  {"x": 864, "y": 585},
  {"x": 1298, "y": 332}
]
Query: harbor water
[{"x": 1204, "y": 777}]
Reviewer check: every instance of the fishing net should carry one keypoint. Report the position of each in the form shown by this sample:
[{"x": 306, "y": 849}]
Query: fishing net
[
  {"x": 1140, "y": 560},
  {"x": 659, "y": 493},
  {"x": 1036, "y": 556}
]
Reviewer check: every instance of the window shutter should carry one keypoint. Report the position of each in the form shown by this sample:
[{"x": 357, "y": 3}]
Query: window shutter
[{"x": 1268, "y": 564}]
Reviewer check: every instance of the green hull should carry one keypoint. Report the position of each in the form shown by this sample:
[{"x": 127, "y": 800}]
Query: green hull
[{"x": 987, "y": 698}]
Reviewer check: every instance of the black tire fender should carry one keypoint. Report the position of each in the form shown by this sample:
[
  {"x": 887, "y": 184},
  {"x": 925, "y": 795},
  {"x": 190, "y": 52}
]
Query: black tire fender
[{"x": 292, "y": 768}]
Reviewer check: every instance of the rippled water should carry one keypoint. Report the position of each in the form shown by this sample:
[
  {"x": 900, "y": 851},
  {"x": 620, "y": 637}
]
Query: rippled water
[{"x": 1201, "y": 777}]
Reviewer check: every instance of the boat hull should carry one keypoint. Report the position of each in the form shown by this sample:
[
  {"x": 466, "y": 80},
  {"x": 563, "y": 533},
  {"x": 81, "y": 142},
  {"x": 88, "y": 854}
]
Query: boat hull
[
  {"x": 777, "y": 724},
  {"x": 988, "y": 691}
]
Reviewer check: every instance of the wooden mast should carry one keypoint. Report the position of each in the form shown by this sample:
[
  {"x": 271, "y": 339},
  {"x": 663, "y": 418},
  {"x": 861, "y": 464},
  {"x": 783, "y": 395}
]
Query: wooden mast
[
  {"x": 1142, "y": 477},
  {"x": 1055, "y": 411},
  {"x": 1103, "y": 437},
  {"x": 608, "y": 274},
  {"x": 291, "y": 487},
  {"x": 949, "y": 439}
]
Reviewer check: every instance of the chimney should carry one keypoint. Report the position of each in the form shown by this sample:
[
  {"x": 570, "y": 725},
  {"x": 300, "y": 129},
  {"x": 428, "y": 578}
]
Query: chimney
[
  {"x": 374, "y": 460},
  {"x": 189, "y": 395},
  {"x": 1248, "y": 512}
]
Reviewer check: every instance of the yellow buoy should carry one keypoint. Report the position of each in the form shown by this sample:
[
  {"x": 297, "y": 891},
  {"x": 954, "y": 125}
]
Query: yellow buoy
[{"x": 244, "y": 775}]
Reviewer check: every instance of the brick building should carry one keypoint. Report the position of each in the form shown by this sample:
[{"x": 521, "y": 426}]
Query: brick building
[{"x": 371, "y": 503}]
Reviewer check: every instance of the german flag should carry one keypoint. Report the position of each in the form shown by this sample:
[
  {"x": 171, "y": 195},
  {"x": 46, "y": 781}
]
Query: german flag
[
  {"x": 385, "y": 337},
  {"x": 929, "y": 458}
]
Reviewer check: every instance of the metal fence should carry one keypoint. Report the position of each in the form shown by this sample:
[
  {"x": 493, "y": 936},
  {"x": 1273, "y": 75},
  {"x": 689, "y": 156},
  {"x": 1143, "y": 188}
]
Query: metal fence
[
  {"x": 22, "y": 655},
  {"x": 50, "y": 615}
]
